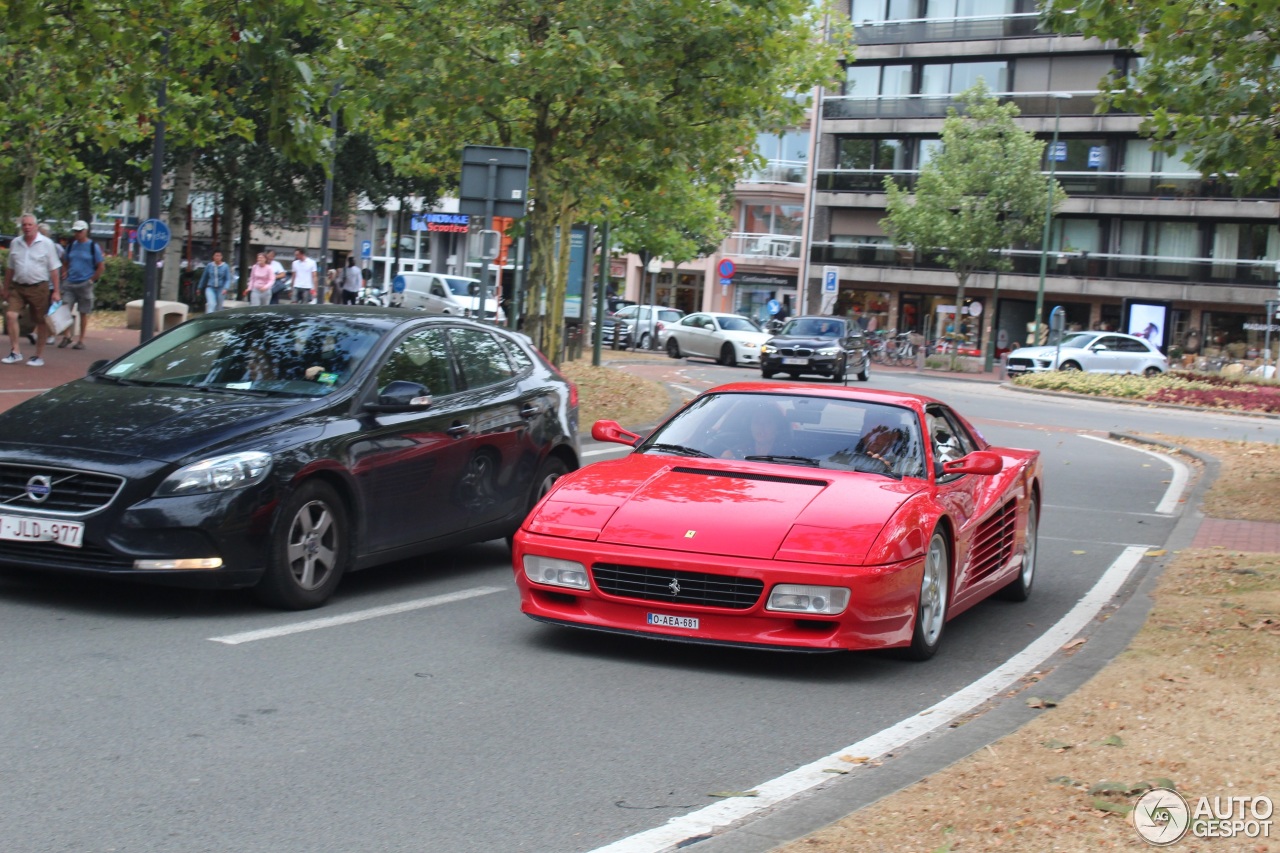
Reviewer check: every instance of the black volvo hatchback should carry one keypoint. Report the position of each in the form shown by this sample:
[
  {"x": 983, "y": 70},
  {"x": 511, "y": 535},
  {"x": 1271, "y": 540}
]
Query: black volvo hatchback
[{"x": 279, "y": 447}]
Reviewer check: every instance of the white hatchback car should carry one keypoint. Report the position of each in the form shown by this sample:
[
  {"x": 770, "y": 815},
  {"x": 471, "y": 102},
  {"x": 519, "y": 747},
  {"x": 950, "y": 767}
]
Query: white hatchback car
[
  {"x": 1092, "y": 352},
  {"x": 728, "y": 338}
]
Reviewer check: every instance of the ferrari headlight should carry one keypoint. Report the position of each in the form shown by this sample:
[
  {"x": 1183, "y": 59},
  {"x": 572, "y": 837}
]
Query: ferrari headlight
[
  {"x": 555, "y": 572},
  {"x": 233, "y": 471},
  {"x": 798, "y": 598}
]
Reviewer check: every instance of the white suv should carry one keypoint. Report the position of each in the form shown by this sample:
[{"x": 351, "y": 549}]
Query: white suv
[
  {"x": 1092, "y": 352},
  {"x": 646, "y": 320}
]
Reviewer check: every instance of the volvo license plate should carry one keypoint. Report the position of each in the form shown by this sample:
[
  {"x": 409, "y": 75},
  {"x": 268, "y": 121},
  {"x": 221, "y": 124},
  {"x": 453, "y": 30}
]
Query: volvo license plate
[{"x": 18, "y": 528}]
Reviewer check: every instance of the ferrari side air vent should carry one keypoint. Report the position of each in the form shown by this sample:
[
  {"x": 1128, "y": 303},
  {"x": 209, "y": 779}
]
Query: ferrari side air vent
[
  {"x": 742, "y": 475},
  {"x": 993, "y": 541}
]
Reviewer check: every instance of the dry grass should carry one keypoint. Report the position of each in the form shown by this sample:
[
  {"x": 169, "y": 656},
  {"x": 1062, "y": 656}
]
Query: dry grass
[
  {"x": 1191, "y": 701},
  {"x": 604, "y": 392}
]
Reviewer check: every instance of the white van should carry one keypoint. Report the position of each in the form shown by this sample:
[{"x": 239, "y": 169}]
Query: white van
[{"x": 435, "y": 293}]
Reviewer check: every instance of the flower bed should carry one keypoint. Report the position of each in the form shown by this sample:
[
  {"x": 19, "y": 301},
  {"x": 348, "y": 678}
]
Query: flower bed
[{"x": 1187, "y": 389}]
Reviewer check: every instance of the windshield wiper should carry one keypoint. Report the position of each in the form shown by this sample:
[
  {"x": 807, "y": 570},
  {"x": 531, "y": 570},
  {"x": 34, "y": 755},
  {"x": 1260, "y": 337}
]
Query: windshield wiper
[
  {"x": 108, "y": 378},
  {"x": 789, "y": 460},
  {"x": 680, "y": 449}
]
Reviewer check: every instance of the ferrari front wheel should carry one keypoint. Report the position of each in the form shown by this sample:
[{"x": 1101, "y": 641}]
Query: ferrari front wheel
[{"x": 931, "y": 611}]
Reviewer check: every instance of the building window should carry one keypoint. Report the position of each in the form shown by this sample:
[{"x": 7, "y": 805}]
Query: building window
[
  {"x": 954, "y": 77},
  {"x": 784, "y": 219},
  {"x": 869, "y": 81},
  {"x": 863, "y": 153},
  {"x": 787, "y": 156}
]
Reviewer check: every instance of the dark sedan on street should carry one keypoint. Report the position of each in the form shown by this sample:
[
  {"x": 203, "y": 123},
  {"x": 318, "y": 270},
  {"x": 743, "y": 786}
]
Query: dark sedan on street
[
  {"x": 279, "y": 447},
  {"x": 825, "y": 346}
]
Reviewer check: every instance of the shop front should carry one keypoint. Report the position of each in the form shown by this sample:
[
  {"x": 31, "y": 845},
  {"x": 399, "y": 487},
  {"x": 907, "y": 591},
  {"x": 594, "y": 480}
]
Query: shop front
[{"x": 752, "y": 292}]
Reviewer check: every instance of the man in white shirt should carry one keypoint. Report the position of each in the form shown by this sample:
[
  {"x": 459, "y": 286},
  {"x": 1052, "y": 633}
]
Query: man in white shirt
[
  {"x": 31, "y": 280},
  {"x": 277, "y": 269},
  {"x": 304, "y": 278}
]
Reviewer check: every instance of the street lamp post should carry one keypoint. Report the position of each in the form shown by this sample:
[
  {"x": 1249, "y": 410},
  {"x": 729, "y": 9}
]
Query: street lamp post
[{"x": 1058, "y": 97}]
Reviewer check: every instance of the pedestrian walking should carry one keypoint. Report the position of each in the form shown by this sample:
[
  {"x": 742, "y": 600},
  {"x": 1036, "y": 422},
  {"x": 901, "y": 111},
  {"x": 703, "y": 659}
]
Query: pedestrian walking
[
  {"x": 31, "y": 279},
  {"x": 351, "y": 282},
  {"x": 262, "y": 279},
  {"x": 280, "y": 278},
  {"x": 85, "y": 265},
  {"x": 215, "y": 281},
  {"x": 333, "y": 285},
  {"x": 304, "y": 278}
]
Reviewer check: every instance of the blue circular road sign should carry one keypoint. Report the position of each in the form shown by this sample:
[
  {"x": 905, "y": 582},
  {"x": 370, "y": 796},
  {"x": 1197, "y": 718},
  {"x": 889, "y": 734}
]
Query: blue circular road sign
[
  {"x": 153, "y": 235},
  {"x": 726, "y": 268}
]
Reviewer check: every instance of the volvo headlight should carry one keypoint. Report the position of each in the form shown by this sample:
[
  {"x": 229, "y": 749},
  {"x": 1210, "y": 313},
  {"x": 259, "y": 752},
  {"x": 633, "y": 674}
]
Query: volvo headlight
[{"x": 233, "y": 471}]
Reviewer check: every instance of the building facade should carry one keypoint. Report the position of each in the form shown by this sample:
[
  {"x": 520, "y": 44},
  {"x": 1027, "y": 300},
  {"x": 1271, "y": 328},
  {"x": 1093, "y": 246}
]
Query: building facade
[{"x": 1141, "y": 234}]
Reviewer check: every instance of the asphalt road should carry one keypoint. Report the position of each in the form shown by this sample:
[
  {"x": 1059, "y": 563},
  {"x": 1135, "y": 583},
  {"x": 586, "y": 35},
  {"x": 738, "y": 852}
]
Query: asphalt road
[{"x": 135, "y": 718}]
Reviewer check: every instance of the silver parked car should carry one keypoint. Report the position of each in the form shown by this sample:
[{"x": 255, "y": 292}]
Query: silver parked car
[
  {"x": 728, "y": 338},
  {"x": 1092, "y": 352},
  {"x": 645, "y": 321}
]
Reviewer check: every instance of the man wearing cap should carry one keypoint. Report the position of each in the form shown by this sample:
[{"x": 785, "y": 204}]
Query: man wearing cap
[
  {"x": 85, "y": 263},
  {"x": 31, "y": 278}
]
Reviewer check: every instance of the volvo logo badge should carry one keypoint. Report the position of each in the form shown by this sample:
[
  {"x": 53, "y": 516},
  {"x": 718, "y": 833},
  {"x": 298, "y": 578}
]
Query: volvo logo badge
[
  {"x": 39, "y": 488},
  {"x": 674, "y": 586}
]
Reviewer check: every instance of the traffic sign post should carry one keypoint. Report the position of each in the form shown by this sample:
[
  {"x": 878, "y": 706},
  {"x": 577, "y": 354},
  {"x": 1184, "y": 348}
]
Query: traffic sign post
[{"x": 153, "y": 235}]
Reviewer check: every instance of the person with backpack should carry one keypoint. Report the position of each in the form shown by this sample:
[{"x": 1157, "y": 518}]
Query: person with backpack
[{"x": 85, "y": 265}]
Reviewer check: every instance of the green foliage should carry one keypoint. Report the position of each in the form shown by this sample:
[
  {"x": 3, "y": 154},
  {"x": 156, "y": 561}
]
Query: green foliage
[
  {"x": 1186, "y": 389},
  {"x": 120, "y": 284},
  {"x": 1208, "y": 79}
]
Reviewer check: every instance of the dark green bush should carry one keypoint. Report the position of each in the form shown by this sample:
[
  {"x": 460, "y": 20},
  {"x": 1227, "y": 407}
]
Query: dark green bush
[{"x": 121, "y": 283}]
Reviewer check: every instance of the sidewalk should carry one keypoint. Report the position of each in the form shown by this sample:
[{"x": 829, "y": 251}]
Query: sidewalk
[{"x": 21, "y": 381}]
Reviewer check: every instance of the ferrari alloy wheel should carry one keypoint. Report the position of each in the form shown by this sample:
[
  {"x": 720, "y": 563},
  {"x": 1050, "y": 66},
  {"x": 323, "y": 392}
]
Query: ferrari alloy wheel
[
  {"x": 309, "y": 549},
  {"x": 1019, "y": 589},
  {"x": 931, "y": 612},
  {"x": 728, "y": 357},
  {"x": 673, "y": 348}
]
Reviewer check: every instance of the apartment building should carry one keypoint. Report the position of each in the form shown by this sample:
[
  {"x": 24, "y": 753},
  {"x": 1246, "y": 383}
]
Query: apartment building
[{"x": 1140, "y": 236}]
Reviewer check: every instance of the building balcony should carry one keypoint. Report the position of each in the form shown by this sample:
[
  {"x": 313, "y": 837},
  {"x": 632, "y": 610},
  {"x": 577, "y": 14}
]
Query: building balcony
[
  {"x": 794, "y": 172},
  {"x": 923, "y": 30},
  {"x": 1091, "y": 183},
  {"x": 763, "y": 247},
  {"x": 1260, "y": 273},
  {"x": 837, "y": 107}
]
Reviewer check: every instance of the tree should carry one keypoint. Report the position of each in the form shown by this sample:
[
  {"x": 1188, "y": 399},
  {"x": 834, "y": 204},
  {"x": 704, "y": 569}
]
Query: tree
[
  {"x": 610, "y": 98},
  {"x": 981, "y": 193},
  {"x": 1209, "y": 79}
]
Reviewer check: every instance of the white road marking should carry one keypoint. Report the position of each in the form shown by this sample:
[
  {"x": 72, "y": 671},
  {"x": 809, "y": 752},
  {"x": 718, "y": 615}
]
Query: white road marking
[
  {"x": 1181, "y": 475},
  {"x": 716, "y": 817},
  {"x": 355, "y": 616},
  {"x": 686, "y": 389},
  {"x": 1066, "y": 508}
]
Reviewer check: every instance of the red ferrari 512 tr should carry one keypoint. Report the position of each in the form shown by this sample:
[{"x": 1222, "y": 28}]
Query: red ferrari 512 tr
[{"x": 786, "y": 517}]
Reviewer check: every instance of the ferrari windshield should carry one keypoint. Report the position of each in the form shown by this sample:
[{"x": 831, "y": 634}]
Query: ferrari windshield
[
  {"x": 270, "y": 353},
  {"x": 795, "y": 429}
]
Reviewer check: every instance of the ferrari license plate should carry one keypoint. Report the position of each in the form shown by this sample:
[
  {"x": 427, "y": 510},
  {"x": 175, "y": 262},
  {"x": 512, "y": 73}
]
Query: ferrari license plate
[
  {"x": 795, "y": 361},
  {"x": 673, "y": 621},
  {"x": 16, "y": 528}
]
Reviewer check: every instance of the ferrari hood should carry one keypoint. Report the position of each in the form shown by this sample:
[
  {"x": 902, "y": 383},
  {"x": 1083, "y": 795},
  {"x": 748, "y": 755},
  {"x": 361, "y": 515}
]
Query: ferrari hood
[{"x": 728, "y": 509}]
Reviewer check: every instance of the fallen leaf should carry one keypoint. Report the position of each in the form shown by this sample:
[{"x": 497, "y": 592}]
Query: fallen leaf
[
  {"x": 1157, "y": 553},
  {"x": 1037, "y": 702},
  {"x": 1079, "y": 552},
  {"x": 1056, "y": 745},
  {"x": 855, "y": 759},
  {"x": 1078, "y": 641},
  {"x": 734, "y": 794},
  {"x": 1179, "y": 679},
  {"x": 1112, "y": 740},
  {"x": 1114, "y": 808}
]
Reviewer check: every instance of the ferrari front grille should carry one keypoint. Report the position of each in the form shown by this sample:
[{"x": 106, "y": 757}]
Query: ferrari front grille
[{"x": 677, "y": 587}]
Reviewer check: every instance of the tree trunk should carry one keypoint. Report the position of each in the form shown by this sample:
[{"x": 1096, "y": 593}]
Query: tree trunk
[
  {"x": 247, "y": 255},
  {"x": 182, "y": 175},
  {"x": 226, "y": 234},
  {"x": 30, "y": 169}
]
